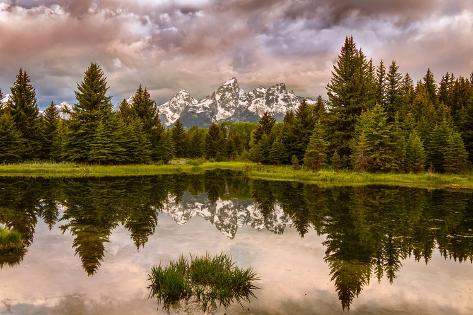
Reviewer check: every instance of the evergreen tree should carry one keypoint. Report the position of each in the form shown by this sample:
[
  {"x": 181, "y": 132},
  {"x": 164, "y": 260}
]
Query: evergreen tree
[
  {"x": 415, "y": 154},
  {"x": 315, "y": 155},
  {"x": 335, "y": 161},
  {"x": 214, "y": 142},
  {"x": 361, "y": 154},
  {"x": 93, "y": 106},
  {"x": 265, "y": 125},
  {"x": 131, "y": 141},
  {"x": 265, "y": 145},
  {"x": 467, "y": 128},
  {"x": 49, "y": 132},
  {"x": 436, "y": 144},
  {"x": 101, "y": 148},
  {"x": 25, "y": 114},
  {"x": 10, "y": 141},
  {"x": 430, "y": 86},
  {"x": 393, "y": 91},
  {"x": 145, "y": 109},
  {"x": 278, "y": 153},
  {"x": 195, "y": 142},
  {"x": 455, "y": 154},
  {"x": 125, "y": 111},
  {"x": 381, "y": 83},
  {"x": 348, "y": 97},
  {"x": 375, "y": 136},
  {"x": 179, "y": 139},
  {"x": 165, "y": 148},
  {"x": 296, "y": 133}
]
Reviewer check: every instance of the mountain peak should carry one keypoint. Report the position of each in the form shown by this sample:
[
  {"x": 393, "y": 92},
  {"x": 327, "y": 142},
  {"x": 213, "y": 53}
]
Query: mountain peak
[
  {"x": 229, "y": 103},
  {"x": 232, "y": 81}
]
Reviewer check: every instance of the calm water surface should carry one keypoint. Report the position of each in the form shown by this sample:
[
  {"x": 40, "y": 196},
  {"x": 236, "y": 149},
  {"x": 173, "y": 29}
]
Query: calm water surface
[{"x": 90, "y": 244}]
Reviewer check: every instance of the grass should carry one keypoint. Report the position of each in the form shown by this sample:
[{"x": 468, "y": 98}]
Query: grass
[
  {"x": 252, "y": 170},
  {"x": 8, "y": 237},
  {"x": 205, "y": 282},
  {"x": 12, "y": 248}
]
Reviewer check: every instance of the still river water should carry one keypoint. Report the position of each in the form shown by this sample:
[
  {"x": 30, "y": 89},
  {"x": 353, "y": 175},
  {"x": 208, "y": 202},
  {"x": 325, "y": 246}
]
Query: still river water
[{"x": 90, "y": 243}]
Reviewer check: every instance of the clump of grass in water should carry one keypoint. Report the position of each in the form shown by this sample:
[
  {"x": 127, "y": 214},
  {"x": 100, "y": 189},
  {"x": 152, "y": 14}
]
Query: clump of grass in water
[
  {"x": 208, "y": 281},
  {"x": 12, "y": 248}
]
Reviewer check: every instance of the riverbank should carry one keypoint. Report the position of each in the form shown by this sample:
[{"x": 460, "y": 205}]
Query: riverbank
[{"x": 252, "y": 170}]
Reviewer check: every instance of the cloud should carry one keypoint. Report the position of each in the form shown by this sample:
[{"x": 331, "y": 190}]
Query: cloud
[{"x": 167, "y": 45}]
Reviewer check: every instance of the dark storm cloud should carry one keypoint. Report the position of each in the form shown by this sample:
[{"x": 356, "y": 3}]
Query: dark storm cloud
[{"x": 196, "y": 44}]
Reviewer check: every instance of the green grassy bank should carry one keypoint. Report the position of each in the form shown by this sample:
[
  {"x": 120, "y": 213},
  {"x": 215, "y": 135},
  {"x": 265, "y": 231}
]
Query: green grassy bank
[{"x": 266, "y": 172}]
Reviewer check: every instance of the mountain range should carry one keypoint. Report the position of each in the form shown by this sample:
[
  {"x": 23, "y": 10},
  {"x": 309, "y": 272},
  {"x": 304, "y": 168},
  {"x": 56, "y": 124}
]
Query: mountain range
[
  {"x": 226, "y": 215},
  {"x": 229, "y": 102}
]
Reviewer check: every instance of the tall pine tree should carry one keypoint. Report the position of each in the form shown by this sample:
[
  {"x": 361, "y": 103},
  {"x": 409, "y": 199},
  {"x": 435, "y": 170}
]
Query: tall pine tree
[
  {"x": 25, "y": 114},
  {"x": 93, "y": 106},
  {"x": 348, "y": 97}
]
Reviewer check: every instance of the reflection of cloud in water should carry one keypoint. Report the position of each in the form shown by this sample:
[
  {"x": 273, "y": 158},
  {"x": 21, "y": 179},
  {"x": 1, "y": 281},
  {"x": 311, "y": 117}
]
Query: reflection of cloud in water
[{"x": 290, "y": 268}]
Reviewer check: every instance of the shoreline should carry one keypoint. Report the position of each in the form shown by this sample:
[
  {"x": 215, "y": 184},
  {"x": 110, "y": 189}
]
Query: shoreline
[{"x": 251, "y": 170}]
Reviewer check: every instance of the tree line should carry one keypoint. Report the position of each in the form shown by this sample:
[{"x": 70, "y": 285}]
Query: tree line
[{"x": 375, "y": 119}]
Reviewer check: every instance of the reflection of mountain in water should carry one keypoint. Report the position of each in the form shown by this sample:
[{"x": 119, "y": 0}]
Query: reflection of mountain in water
[
  {"x": 368, "y": 231},
  {"x": 226, "y": 215}
]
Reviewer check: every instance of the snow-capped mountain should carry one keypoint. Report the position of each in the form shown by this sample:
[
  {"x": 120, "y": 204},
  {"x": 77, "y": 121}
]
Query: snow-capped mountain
[
  {"x": 226, "y": 215},
  {"x": 229, "y": 103},
  {"x": 4, "y": 100}
]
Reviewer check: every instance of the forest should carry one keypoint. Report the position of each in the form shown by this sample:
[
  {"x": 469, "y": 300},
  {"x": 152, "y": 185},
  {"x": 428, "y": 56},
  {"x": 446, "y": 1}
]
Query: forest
[{"x": 374, "y": 119}]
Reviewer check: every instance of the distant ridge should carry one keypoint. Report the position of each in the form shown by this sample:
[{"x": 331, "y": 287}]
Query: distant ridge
[{"x": 229, "y": 103}]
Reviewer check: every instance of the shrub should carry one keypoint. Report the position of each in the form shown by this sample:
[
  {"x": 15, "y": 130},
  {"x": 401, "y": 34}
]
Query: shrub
[{"x": 206, "y": 281}]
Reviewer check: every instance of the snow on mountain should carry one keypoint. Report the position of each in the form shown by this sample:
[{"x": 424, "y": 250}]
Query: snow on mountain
[
  {"x": 226, "y": 215},
  {"x": 4, "y": 100},
  {"x": 229, "y": 103},
  {"x": 64, "y": 108}
]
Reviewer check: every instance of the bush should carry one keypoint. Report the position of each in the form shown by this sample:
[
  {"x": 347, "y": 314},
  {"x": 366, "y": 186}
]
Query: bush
[
  {"x": 12, "y": 248},
  {"x": 206, "y": 281}
]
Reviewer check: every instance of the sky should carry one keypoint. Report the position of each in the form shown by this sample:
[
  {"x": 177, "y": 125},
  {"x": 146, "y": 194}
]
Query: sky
[{"x": 198, "y": 44}]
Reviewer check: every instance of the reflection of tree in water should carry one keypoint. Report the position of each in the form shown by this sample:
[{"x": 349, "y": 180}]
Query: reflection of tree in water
[{"x": 368, "y": 230}]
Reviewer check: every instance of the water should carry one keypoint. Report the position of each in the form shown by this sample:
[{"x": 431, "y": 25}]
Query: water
[{"x": 90, "y": 244}]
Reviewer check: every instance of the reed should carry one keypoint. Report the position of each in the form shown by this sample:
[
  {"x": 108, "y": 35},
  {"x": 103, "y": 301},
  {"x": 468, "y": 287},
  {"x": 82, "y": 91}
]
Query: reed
[{"x": 205, "y": 282}]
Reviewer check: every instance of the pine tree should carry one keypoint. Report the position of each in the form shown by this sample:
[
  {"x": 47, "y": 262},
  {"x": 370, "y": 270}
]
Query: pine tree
[
  {"x": 375, "y": 136},
  {"x": 278, "y": 153},
  {"x": 101, "y": 149},
  {"x": 393, "y": 91},
  {"x": 10, "y": 141},
  {"x": 381, "y": 83},
  {"x": 430, "y": 86},
  {"x": 165, "y": 148},
  {"x": 335, "y": 161},
  {"x": 436, "y": 144},
  {"x": 179, "y": 139},
  {"x": 455, "y": 154},
  {"x": 125, "y": 111},
  {"x": 265, "y": 125},
  {"x": 49, "y": 132},
  {"x": 195, "y": 142},
  {"x": 25, "y": 114},
  {"x": 145, "y": 109},
  {"x": 93, "y": 106},
  {"x": 315, "y": 155},
  {"x": 415, "y": 154},
  {"x": 297, "y": 132},
  {"x": 137, "y": 143},
  {"x": 348, "y": 96},
  {"x": 214, "y": 142},
  {"x": 361, "y": 154}
]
